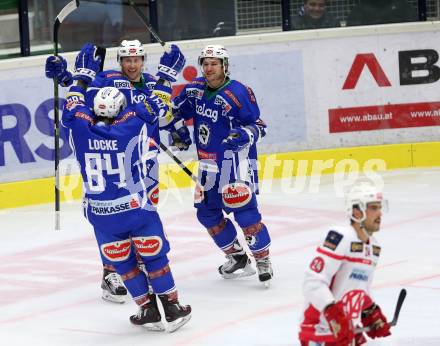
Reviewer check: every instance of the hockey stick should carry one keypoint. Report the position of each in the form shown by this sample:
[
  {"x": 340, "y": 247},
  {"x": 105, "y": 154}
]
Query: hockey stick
[
  {"x": 178, "y": 161},
  {"x": 148, "y": 25},
  {"x": 167, "y": 49},
  {"x": 69, "y": 8},
  {"x": 400, "y": 300}
]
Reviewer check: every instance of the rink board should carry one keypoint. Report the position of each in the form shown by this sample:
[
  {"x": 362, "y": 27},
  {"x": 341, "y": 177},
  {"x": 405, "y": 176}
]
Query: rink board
[
  {"x": 271, "y": 166},
  {"x": 358, "y": 95}
]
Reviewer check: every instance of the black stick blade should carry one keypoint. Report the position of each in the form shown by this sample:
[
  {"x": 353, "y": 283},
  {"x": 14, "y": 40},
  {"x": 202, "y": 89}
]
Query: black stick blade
[{"x": 399, "y": 304}]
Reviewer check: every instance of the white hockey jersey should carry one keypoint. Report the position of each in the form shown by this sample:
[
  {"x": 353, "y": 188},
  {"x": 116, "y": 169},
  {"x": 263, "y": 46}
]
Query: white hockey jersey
[{"x": 341, "y": 270}]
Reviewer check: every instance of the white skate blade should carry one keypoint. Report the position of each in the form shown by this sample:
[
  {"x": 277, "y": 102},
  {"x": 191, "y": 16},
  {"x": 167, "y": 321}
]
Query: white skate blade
[
  {"x": 173, "y": 326},
  {"x": 154, "y": 327},
  {"x": 266, "y": 283},
  {"x": 107, "y": 296},
  {"x": 247, "y": 271}
]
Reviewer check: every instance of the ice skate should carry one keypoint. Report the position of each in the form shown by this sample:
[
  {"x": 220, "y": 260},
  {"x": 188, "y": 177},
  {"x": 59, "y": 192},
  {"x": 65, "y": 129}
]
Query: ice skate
[
  {"x": 148, "y": 316},
  {"x": 265, "y": 272},
  {"x": 113, "y": 290},
  {"x": 237, "y": 266},
  {"x": 175, "y": 314}
]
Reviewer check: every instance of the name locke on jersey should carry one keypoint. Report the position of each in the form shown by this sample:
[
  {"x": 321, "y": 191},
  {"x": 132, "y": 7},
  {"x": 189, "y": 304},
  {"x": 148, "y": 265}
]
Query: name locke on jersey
[{"x": 103, "y": 144}]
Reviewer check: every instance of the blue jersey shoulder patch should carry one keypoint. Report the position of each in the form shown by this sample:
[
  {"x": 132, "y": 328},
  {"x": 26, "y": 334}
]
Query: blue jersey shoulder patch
[{"x": 332, "y": 240}]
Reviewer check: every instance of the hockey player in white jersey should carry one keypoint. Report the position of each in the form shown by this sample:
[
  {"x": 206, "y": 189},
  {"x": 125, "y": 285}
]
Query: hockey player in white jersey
[{"x": 338, "y": 280}]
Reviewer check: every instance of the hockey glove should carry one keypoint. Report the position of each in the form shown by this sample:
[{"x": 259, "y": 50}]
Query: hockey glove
[
  {"x": 374, "y": 318},
  {"x": 146, "y": 112},
  {"x": 340, "y": 325},
  {"x": 238, "y": 139},
  {"x": 87, "y": 64},
  {"x": 56, "y": 66},
  {"x": 171, "y": 64},
  {"x": 180, "y": 135}
]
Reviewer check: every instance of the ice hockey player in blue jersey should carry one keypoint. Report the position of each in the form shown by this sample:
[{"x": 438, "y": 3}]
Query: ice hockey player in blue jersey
[
  {"x": 136, "y": 86},
  {"x": 116, "y": 148},
  {"x": 227, "y": 126}
]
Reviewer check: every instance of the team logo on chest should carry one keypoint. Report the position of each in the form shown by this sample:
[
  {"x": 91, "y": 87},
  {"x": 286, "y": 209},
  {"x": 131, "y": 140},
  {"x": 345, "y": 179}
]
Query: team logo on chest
[
  {"x": 353, "y": 302},
  {"x": 203, "y": 134}
]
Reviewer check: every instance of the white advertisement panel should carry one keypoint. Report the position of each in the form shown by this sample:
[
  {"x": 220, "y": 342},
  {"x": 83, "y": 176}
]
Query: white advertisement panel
[{"x": 375, "y": 89}]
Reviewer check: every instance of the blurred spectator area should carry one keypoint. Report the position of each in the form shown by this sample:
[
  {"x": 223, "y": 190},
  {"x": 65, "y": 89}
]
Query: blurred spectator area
[
  {"x": 107, "y": 22},
  {"x": 177, "y": 20},
  {"x": 257, "y": 15}
]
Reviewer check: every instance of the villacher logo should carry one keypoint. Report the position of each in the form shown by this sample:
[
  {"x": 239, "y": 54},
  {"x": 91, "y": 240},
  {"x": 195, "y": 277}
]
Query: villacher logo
[{"x": 236, "y": 195}]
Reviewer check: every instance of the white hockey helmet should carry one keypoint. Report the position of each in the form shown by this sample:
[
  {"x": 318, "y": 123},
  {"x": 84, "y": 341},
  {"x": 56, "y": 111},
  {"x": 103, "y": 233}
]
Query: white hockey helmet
[
  {"x": 131, "y": 48},
  {"x": 215, "y": 51},
  {"x": 359, "y": 197},
  {"x": 108, "y": 102}
]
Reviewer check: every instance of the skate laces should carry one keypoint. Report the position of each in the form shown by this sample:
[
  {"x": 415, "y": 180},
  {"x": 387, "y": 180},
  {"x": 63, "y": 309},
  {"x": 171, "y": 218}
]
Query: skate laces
[
  {"x": 114, "y": 280},
  {"x": 231, "y": 257},
  {"x": 231, "y": 260},
  {"x": 142, "y": 312}
]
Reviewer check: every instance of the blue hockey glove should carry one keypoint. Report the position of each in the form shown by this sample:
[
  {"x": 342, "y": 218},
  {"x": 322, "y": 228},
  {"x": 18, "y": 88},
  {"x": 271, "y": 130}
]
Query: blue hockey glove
[
  {"x": 87, "y": 64},
  {"x": 238, "y": 139},
  {"x": 180, "y": 135},
  {"x": 171, "y": 64},
  {"x": 146, "y": 112},
  {"x": 56, "y": 66}
]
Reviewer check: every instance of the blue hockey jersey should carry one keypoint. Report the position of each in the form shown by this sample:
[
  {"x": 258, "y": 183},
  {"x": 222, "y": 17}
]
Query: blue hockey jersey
[
  {"x": 118, "y": 162},
  {"x": 214, "y": 114},
  {"x": 113, "y": 78}
]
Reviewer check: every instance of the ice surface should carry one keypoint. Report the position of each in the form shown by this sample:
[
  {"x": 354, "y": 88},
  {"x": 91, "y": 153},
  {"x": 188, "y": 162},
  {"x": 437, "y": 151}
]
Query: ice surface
[{"x": 50, "y": 289}]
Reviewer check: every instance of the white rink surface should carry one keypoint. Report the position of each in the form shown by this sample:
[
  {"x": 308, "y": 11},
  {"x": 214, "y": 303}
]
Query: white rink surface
[{"x": 50, "y": 289}]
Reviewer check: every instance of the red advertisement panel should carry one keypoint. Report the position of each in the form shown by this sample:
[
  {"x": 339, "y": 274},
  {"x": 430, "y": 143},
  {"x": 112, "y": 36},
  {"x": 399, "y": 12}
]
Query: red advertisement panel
[{"x": 381, "y": 117}]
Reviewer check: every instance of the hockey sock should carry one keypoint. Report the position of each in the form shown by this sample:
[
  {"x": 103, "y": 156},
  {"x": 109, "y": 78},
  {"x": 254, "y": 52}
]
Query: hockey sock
[
  {"x": 137, "y": 284},
  {"x": 160, "y": 276},
  {"x": 223, "y": 234},
  {"x": 257, "y": 238}
]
